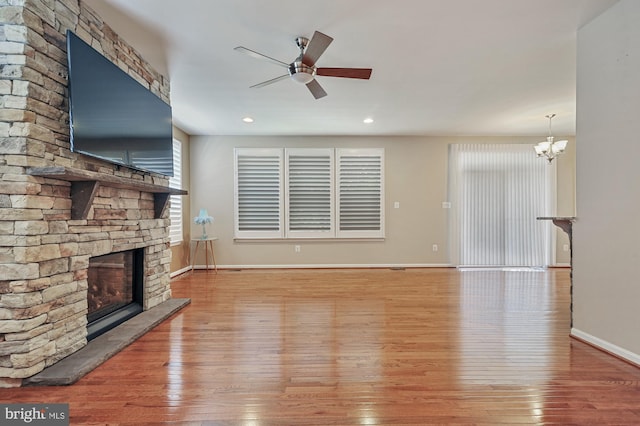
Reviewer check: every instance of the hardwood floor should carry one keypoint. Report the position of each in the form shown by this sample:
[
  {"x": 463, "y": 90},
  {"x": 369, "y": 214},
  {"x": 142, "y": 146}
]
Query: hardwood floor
[{"x": 359, "y": 347}]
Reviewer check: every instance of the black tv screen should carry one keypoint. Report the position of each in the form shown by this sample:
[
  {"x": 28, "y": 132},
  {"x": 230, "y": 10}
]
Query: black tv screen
[{"x": 112, "y": 116}]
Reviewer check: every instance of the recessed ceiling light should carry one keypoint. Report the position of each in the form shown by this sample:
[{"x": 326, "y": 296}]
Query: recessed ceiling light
[
  {"x": 247, "y": 120},
  {"x": 368, "y": 120}
]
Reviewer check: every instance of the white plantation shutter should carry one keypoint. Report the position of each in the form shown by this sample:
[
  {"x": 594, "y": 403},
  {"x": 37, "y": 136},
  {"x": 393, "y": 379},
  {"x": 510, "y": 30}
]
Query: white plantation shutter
[
  {"x": 175, "y": 211},
  {"x": 259, "y": 202},
  {"x": 360, "y": 192},
  {"x": 309, "y": 193}
]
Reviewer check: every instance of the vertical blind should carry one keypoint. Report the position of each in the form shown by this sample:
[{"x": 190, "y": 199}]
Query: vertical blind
[
  {"x": 497, "y": 192},
  {"x": 175, "y": 211}
]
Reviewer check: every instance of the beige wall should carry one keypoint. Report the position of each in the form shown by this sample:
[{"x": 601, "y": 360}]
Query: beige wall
[
  {"x": 607, "y": 248},
  {"x": 416, "y": 177},
  {"x": 180, "y": 253},
  {"x": 565, "y": 197}
]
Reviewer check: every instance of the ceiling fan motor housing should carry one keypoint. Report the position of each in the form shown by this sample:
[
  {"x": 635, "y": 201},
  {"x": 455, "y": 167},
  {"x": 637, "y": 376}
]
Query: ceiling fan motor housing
[{"x": 302, "y": 42}]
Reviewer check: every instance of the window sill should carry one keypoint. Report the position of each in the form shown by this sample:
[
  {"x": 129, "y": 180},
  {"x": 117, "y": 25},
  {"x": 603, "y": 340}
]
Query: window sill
[{"x": 309, "y": 240}]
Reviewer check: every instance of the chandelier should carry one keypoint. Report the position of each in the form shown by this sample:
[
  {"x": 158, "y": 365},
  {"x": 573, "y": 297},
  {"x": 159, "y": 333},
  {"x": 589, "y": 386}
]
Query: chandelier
[{"x": 550, "y": 149}]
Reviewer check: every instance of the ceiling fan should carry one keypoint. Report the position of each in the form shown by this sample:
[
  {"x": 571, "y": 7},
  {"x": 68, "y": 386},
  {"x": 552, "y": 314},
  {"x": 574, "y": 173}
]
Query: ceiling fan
[{"x": 303, "y": 68}]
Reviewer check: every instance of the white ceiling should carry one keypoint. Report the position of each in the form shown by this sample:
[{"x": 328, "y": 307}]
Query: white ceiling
[{"x": 440, "y": 67}]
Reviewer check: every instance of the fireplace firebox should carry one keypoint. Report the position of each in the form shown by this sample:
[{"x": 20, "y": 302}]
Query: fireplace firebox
[{"x": 114, "y": 295}]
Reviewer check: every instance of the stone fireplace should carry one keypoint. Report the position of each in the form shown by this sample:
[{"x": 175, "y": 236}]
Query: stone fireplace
[{"x": 59, "y": 210}]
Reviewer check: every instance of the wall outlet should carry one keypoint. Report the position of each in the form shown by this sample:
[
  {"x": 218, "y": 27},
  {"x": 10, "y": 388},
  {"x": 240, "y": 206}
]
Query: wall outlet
[
  {"x": 396, "y": 205},
  {"x": 446, "y": 204},
  {"x": 565, "y": 247},
  {"x": 296, "y": 248},
  {"x": 435, "y": 247}
]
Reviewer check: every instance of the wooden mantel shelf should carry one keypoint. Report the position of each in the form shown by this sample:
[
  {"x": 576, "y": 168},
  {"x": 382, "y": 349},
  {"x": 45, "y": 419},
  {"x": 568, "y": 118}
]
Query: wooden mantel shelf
[{"x": 84, "y": 186}]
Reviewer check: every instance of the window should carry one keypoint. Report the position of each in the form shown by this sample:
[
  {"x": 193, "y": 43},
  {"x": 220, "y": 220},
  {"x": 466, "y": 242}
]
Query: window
[
  {"x": 497, "y": 191},
  {"x": 309, "y": 193},
  {"x": 258, "y": 188},
  {"x": 175, "y": 211},
  {"x": 360, "y": 192}
]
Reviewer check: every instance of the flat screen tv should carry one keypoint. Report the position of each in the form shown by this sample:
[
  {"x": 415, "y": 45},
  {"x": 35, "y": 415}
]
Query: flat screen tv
[{"x": 112, "y": 116}]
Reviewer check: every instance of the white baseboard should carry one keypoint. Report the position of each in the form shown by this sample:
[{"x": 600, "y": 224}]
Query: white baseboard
[
  {"x": 330, "y": 266},
  {"x": 607, "y": 346},
  {"x": 180, "y": 271}
]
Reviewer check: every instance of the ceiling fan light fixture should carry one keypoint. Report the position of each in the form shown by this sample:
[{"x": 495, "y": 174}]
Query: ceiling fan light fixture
[{"x": 301, "y": 73}]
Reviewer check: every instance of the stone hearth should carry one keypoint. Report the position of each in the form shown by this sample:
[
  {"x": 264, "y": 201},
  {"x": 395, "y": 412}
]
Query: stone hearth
[{"x": 76, "y": 365}]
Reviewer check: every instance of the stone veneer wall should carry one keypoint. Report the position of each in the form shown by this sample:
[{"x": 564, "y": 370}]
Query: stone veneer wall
[{"x": 44, "y": 255}]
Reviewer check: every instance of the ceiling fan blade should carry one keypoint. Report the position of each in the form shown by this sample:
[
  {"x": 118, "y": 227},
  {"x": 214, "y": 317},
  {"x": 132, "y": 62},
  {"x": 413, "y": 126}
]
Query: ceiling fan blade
[
  {"x": 318, "y": 44},
  {"x": 257, "y": 55},
  {"x": 316, "y": 90},
  {"x": 363, "y": 73},
  {"x": 268, "y": 82}
]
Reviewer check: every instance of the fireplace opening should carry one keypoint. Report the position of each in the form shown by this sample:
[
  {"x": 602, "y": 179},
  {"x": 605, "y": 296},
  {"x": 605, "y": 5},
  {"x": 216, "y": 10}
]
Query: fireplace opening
[{"x": 114, "y": 295}]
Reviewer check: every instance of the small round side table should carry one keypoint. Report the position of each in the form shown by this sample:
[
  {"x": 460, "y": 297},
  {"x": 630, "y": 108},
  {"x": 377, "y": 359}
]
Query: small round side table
[{"x": 208, "y": 245}]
